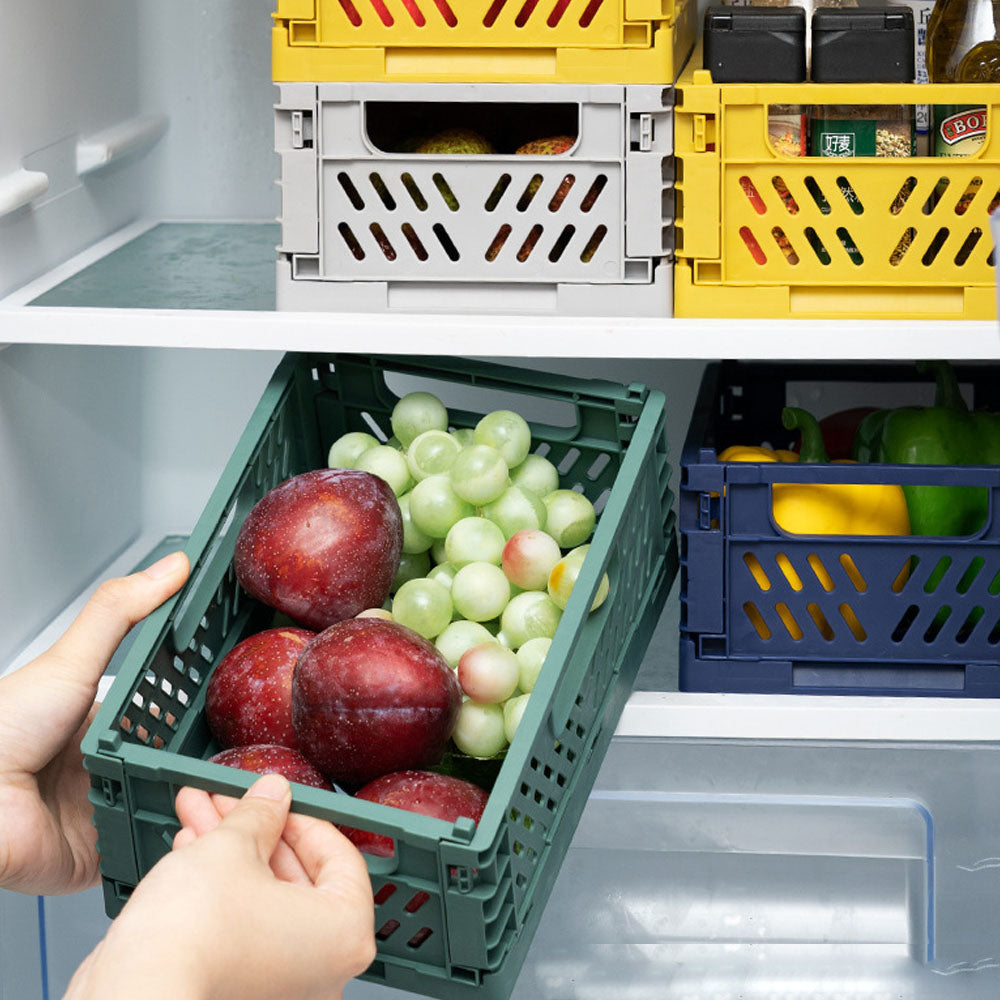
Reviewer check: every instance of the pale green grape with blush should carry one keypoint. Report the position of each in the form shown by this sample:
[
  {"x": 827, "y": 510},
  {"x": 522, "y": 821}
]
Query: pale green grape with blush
[
  {"x": 488, "y": 673},
  {"x": 564, "y": 575}
]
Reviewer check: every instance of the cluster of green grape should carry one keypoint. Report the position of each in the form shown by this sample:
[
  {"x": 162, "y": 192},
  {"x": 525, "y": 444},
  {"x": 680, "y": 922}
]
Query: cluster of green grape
[{"x": 492, "y": 547}]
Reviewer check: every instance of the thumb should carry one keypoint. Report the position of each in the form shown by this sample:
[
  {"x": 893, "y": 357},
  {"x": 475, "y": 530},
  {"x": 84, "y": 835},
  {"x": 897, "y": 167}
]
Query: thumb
[
  {"x": 259, "y": 817},
  {"x": 117, "y": 604}
]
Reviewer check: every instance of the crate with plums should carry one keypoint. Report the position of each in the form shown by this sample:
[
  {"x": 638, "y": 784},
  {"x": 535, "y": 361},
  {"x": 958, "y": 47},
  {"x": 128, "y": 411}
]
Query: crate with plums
[{"x": 421, "y": 590}]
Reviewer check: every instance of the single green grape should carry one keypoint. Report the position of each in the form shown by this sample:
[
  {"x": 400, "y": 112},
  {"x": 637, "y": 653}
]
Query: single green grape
[
  {"x": 479, "y": 474},
  {"x": 530, "y": 658},
  {"x": 444, "y": 573},
  {"x": 347, "y": 449},
  {"x": 480, "y": 591},
  {"x": 528, "y": 616},
  {"x": 411, "y": 566},
  {"x": 437, "y": 551},
  {"x": 414, "y": 540},
  {"x": 516, "y": 509},
  {"x": 570, "y": 517},
  {"x": 506, "y": 431},
  {"x": 536, "y": 474},
  {"x": 459, "y": 636},
  {"x": 423, "y": 605},
  {"x": 479, "y": 730},
  {"x": 463, "y": 435},
  {"x": 435, "y": 506},
  {"x": 513, "y": 712},
  {"x": 387, "y": 464},
  {"x": 432, "y": 452},
  {"x": 415, "y": 413},
  {"x": 473, "y": 539}
]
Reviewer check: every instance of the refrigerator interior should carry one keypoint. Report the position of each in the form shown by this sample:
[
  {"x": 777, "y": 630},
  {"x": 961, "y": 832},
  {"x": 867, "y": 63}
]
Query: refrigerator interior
[{"x": 822, "y": 848}]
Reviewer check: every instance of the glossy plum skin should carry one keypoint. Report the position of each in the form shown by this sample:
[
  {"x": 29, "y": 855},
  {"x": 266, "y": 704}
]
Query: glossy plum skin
[
  {"x": 321, "y": 546},
  {"x": 371, "y": 696},
  {"x": 249, "y": 697},
  {"x": 268, "y": 758},
  {"x": 423, "y": 792}
]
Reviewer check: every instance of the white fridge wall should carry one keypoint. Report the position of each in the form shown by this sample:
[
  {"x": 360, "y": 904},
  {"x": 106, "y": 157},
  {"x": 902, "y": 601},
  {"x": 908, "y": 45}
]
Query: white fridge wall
[{"x": 177, "y": 95}]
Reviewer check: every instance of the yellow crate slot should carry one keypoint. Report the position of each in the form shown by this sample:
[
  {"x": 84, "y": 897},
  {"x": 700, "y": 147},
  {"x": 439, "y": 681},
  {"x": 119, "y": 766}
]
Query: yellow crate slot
[
  {"x": 557, "y": 41},
  {"x": 762, "y": 234}
]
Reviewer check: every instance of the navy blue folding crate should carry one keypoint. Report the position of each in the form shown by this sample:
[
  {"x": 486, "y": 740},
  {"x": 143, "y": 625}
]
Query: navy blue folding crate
[{"x": 766, "y": 611}]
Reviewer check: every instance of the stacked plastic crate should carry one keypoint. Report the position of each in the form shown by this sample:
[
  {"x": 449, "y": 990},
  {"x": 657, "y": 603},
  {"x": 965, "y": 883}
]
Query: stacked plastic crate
[
  {"x": 769, "y": 235},
  {"x": 560, "y": 201}
]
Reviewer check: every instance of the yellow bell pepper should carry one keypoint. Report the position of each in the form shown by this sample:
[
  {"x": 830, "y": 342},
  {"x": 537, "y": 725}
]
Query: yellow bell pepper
[{"x": 825, "y": 508}]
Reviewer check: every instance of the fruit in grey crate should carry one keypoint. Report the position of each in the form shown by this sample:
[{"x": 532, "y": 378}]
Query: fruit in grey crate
[
  {"x": 269, "y": 758},
  {"x": 321, "y": 546},
  {"x": 424, "y": 792},
  {"x": 372, "y": 696},
  {"x": 552, "y": 145},
  {"x": 249, "y": 696},
  {"x": 456, "y": 142}
]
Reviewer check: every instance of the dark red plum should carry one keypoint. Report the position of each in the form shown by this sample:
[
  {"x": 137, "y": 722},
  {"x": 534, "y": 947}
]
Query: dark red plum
[
  {"x": 321, "y": 546},
  {"x": 423, "y": 792},
  {"x": 371, "y": 696},
  {"x": 249, "y": 698},
  {"x": 268, "y": 758}
]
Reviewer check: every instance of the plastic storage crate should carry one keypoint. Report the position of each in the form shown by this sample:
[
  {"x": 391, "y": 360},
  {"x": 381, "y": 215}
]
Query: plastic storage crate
[
  {"x": 508, "y": 41},
  {"x": 763, "y": 610},
  {"x": 457, "y": 905},
  {"x": 859, "y": 237},
  {"x": 582, "y": 233}
]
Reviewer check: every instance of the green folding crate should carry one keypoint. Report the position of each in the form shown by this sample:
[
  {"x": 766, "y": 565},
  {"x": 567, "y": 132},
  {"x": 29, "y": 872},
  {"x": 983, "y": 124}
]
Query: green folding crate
[{"x": 457, "y": 905}]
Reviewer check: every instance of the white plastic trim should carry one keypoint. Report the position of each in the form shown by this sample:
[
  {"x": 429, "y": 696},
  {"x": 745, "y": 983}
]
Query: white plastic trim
[
  {"x": 20, "y": 188},
  {"x": 132, "y": 136}
]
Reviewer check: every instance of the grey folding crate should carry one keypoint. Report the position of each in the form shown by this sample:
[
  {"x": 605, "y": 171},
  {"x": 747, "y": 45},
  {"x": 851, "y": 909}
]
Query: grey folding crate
[{"x": 368, "y": 228}]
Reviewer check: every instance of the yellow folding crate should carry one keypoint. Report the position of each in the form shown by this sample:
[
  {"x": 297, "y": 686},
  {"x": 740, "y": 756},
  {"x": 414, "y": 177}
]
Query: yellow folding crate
[
  {"x": 497, "y": 41},
  {"x": 762, "y": 234}
]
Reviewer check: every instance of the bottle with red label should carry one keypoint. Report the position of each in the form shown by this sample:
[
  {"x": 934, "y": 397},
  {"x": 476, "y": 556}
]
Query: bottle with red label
[{"x": 963, "y": 46}]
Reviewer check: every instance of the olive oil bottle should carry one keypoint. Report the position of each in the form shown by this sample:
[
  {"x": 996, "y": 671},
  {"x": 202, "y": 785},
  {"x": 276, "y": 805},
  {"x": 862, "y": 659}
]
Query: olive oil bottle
[{"x": 963, "y": 46}]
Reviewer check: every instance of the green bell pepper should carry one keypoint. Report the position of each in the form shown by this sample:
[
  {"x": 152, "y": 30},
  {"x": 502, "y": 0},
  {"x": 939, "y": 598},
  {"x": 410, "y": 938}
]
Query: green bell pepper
[{"x": 947, "y": 433}]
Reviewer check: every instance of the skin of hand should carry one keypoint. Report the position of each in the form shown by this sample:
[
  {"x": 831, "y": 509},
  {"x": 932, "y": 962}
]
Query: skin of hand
[
  {"x": 219, "y": 917},
  {"x": 47, "y": 840}
]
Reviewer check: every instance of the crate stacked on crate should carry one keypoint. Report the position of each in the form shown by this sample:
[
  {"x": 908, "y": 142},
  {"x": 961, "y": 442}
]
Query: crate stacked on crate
[
  {"x": 491, "y": 156},
  {"x": 456, "y": 904},
  {"x": 763, "y": 234},
  {"x": 764, "y": 610}
]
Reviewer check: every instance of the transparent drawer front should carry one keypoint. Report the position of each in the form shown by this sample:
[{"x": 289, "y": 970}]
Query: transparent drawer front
[
  {"x": 777, "y": 870},
  {"x": 722, "y": 870}
]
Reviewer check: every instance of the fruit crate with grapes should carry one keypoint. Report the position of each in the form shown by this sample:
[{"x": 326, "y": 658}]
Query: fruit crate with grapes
[
  {"x": 506, "y": 41},
  {"x": 505, "y": 198},
  {"x": 768, "y": 606},
  {"x": 764, "y": 234},
  {"x": 456, "y": 903}
]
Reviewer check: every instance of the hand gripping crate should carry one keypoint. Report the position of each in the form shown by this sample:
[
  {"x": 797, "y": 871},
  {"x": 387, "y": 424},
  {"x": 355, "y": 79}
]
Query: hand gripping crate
[
  {"x": 766, "y": 611},
  {"x": 457, "y": 905},
  {"x": 583, "y": 233},
  {"x": 765, "y": 235},
  {"x": 473, "y": 41}
]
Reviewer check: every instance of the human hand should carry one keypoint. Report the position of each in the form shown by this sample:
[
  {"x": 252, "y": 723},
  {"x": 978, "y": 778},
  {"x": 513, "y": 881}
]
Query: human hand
[
  {"x": 253, "y": 902},
  {"x": 47, "y": 840}
]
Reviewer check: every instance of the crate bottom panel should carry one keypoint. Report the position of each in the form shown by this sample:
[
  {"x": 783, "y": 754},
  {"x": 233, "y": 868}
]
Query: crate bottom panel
[
  {"x": 711, "y": 299},
  {"x": 749, "y": 676},
  {"x": 652, "y": 298}
]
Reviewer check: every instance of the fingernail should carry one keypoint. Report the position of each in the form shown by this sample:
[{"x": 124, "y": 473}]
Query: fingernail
[
  {"x": 271, "y": 786},
  {"x": 166, "y": 566}
]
